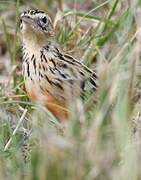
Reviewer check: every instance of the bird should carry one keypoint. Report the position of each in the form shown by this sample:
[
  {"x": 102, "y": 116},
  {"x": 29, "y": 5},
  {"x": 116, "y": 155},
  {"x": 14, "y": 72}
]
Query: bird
[{"x": 52, "y": 77}]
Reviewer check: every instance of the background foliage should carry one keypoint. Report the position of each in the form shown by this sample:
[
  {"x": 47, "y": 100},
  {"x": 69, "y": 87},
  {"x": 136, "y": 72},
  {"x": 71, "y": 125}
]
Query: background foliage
[{"x": 102, "y": 140}]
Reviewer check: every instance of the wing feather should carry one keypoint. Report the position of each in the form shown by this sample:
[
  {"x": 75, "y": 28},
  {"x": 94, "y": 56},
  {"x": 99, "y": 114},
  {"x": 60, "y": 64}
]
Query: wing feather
[{"x": 67, "y": 68}]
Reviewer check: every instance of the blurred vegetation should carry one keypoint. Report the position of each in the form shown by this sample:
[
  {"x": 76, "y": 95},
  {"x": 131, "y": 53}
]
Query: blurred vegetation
[{"x": 101, "y": 141}]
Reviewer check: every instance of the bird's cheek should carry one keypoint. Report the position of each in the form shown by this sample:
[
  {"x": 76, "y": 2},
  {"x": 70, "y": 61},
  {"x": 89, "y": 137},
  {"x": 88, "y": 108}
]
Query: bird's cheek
[
  {"x": 24, "y": 27},
  {"x": 27, "y": 29}
]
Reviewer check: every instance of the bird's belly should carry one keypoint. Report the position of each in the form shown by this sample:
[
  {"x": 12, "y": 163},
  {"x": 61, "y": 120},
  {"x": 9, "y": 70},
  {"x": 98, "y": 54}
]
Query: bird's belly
[
  {"x": 42, "y": 92},
  {"x": 35, "y": 93},
  {"x": 31, "y": 90}
]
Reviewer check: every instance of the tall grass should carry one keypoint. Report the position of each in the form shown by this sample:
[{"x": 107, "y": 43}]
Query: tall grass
[{"x": 101, "y": 140}]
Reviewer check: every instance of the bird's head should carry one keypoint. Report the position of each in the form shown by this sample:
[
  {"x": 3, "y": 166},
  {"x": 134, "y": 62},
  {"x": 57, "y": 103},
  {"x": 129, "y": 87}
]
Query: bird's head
[{"x": 36, "y": 23}]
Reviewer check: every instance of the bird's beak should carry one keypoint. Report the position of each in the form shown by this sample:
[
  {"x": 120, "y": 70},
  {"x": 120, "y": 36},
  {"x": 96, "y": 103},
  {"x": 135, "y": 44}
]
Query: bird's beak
[{"x": 25, "y": 18}]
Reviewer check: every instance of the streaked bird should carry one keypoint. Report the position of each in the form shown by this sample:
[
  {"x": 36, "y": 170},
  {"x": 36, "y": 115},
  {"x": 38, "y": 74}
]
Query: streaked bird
[{"x": 52, "y": 77}]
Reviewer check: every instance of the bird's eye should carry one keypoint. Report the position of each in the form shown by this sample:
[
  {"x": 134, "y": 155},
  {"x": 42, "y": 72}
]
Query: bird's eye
[{"x": 44, "y": 20}]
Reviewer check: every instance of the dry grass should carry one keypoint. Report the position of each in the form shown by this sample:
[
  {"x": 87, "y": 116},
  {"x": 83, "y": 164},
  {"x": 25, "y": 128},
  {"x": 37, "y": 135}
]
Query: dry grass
[{"x": 102, "y": 140}]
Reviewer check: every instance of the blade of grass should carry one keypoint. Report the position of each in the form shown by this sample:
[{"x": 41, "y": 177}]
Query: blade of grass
[
  {"x": 15, "y": 130},
  {"x": 90, "y": 52},
  {"x": 15, "y": 34},
  {"x": 7, "y": 38},
  {"x": 86, "y": 14},
  {"x": 111, "y": 12},
  {"x": 15, "y": 46},
  {"x": 105, "y": 20}
]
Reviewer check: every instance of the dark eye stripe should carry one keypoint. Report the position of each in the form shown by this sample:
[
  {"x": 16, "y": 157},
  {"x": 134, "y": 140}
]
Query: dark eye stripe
[{"x": 42, "y": 27}]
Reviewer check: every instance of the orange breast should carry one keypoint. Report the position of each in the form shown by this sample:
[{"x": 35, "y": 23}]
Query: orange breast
[
  {"x": 31, "y": 95},
  {"x": 59, "y": 110}
]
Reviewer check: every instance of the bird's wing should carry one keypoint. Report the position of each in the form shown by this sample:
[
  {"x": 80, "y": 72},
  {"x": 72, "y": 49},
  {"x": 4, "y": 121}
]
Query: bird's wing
[
  {"x": 65, "y": 70},
  {"x": 73, "y": 64}
]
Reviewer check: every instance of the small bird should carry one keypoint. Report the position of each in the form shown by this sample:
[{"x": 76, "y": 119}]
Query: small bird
[{"x": 52, "y": 77}]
